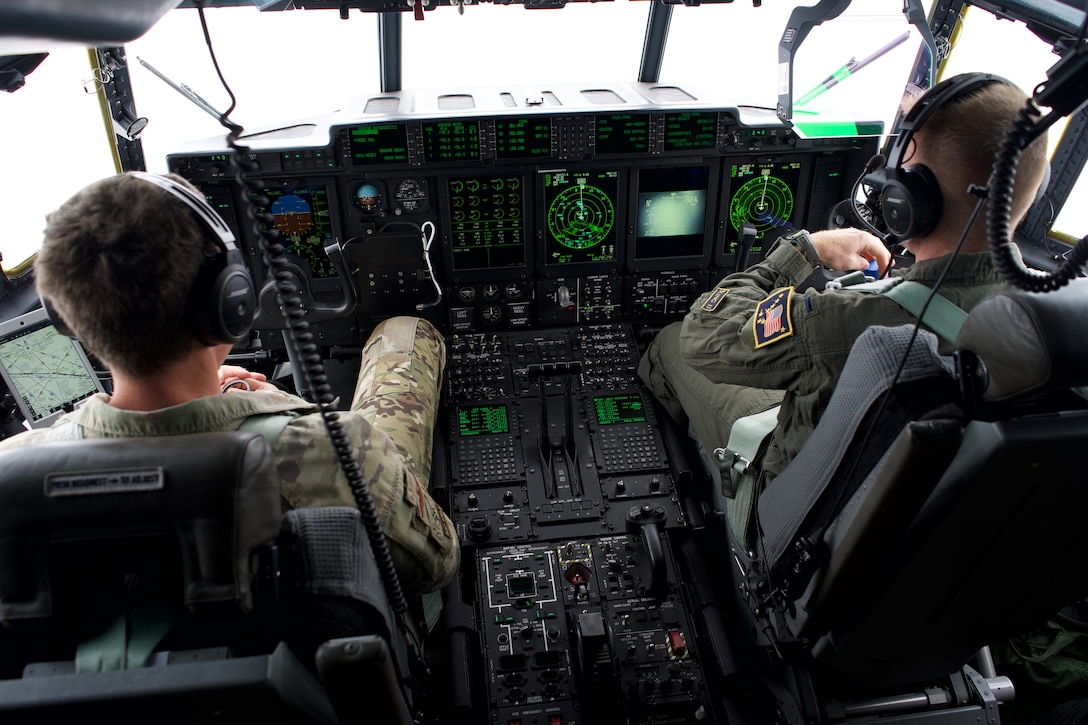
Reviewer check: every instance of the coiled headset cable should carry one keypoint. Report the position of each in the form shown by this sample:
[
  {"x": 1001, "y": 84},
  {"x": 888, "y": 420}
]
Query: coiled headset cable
[{"x": 313, "y": 370}]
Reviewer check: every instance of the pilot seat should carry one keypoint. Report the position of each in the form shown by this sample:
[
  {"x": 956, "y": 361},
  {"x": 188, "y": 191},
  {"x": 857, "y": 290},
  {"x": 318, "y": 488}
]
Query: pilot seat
[
  {"x": 937, "y": 508},
  {"x": 158, "y": 579}
]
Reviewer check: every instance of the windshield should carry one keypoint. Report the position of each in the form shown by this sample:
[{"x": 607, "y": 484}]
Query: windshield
[{"x": 287, "y": 66}]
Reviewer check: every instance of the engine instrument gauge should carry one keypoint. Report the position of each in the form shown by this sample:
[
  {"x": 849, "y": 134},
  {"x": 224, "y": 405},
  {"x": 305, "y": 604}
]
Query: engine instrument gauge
[
  {"x": 367, "y": 198},
  {"x": 411, "y": 196}
]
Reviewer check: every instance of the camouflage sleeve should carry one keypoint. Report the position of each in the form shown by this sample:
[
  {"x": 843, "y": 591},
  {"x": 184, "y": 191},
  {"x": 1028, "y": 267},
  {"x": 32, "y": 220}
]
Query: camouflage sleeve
[{"x": 390, "y": 427}]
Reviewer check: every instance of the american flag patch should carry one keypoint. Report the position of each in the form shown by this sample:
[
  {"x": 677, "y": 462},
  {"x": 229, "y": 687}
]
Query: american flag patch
[{"x": 772, "y": 321}]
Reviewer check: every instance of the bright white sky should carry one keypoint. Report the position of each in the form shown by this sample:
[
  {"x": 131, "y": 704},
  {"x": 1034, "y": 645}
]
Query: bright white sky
[{"x": 289, "y": 65}]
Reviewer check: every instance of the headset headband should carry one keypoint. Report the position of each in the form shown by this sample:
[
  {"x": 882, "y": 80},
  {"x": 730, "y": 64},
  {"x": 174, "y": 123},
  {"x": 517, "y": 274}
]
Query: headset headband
[
  {"x": 212, "y": 221},
  {"x": 937, "y": 97}
]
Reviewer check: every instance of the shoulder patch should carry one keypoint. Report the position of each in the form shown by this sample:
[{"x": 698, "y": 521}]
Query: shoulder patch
[
  {"x": 714, "y": 299},
  {"x": 772, "y": 321}
]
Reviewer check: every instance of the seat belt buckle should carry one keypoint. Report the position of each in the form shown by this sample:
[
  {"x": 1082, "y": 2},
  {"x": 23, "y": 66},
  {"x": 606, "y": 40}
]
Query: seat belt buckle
[{"x": 732, "y": 466}]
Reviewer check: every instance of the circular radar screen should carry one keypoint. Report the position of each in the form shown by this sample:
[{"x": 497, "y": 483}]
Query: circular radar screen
[
  {"x": 581, "y": 216},
  {"x": 765, "y": 201},
  {"x": 292, "y": 215}
]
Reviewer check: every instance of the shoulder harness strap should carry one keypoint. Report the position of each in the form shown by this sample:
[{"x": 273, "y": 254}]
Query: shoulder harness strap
[
  {"x": 943, "y": 316},
  {"x": 268, "y": 425}
]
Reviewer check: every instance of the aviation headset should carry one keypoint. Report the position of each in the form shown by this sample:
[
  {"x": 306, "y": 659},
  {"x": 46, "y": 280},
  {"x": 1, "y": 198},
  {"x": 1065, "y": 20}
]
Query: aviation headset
[
  {"x": 910, "y": 200},
  {"x": 222, "y": 300}
]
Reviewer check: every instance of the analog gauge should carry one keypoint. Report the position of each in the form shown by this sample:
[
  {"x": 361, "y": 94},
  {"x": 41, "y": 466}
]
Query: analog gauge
[
  {"x": 367, "y": 198},
  {"x": 491, "y": 291},
  {"x": 411, "y": 195},
  {"x": 491, "y": 314}
]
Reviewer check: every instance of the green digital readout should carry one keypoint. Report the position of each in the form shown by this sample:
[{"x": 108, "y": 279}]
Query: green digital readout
[
  {"x": 477, "y": 420},
  {"x": 691, "y": 130},
  {"x": 451, "y": 141},
  {"x": 623, "y": 133},
  {"x": 522, "y": 138},
  {"x": 384, "y": 143},
  {"x": 613, "y": 409}
]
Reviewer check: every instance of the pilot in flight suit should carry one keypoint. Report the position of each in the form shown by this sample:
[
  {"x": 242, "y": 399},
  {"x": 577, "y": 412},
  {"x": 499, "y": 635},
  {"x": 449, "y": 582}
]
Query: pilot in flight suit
[
  {"x": 754, "y": 342},
  {"x": 390, "y": 423}
]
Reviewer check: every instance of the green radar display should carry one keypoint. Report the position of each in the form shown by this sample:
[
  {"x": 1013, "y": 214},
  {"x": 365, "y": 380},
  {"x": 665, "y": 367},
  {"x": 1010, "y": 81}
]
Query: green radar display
[
  {"x": 581, "y": 216},
  {"x": 763, "y": 197}
]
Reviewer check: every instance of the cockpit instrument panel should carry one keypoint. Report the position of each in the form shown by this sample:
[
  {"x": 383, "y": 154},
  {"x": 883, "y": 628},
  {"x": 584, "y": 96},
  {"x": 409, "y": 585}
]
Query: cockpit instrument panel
[{"x": 565, "y": 207}]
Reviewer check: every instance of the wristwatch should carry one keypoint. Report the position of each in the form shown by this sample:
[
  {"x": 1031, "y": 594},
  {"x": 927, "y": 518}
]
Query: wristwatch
[{"x": 801, "y": 242}]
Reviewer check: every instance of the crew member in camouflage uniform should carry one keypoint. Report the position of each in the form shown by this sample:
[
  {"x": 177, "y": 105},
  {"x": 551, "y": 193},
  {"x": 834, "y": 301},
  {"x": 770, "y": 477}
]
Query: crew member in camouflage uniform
[
  {"x": 117, "y": 263},
  {"x": 753, "y": 342}
]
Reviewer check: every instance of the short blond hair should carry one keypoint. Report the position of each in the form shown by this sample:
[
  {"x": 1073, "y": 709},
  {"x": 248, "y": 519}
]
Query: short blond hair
[{"x": 961, "y": 139}]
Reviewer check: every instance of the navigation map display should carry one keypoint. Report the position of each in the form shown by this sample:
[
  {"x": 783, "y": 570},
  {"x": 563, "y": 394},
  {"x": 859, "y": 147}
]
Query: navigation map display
[{"x": 46, "y": 371}]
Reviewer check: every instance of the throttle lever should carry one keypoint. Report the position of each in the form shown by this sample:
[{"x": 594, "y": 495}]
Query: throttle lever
[{"x": 646, "y": 520}]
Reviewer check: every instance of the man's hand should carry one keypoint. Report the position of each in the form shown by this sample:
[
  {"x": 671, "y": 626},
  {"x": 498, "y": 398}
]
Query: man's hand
[
  {"x": 847, "y": 249},
  {"x": 242, "y": 380}
]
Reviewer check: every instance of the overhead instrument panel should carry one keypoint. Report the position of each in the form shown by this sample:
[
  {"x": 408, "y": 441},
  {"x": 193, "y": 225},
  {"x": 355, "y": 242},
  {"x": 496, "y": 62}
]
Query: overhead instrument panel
[
  {"x": 763, "y": 203},
  {"x": 581, "y": 216},
  {"x": 302, "y": 215}
]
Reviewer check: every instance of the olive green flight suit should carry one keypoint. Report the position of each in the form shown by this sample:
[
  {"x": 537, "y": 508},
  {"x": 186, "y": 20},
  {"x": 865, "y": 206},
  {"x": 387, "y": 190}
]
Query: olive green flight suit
[{"x": 708, "y": 369}]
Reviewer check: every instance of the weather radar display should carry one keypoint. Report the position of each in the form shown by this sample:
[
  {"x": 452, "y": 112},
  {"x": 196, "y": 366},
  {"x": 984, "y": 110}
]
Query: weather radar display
[
  {"x": 581, "y": 216},
  {"x": 763, "y": 197}
]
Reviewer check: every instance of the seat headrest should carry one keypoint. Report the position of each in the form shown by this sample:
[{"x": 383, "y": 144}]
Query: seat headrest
[
  {"x": 1030, "y": 341},
  {"x": 217, "y": 494}
]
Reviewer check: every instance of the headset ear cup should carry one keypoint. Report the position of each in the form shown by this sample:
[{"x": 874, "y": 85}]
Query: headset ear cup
[
  {"x": 222, "y": 303},
  {"x": 911, "y": 202}
]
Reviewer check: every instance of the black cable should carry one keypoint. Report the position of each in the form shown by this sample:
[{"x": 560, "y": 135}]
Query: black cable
[
  {"x": 290, "y": 299},
  {"x": 1025, "y": 129}
]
